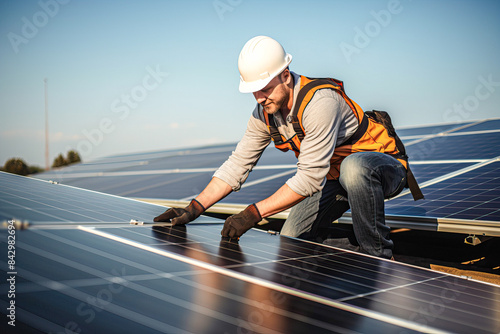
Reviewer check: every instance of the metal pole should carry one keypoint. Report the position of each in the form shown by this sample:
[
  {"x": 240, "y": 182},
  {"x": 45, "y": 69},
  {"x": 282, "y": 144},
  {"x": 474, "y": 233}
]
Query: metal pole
[{"x": 47, "y": 165}]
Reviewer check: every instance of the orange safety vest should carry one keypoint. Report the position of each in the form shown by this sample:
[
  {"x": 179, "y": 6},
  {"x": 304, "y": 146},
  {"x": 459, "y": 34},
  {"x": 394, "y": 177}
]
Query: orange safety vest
[{"x": 370, "y": 135}]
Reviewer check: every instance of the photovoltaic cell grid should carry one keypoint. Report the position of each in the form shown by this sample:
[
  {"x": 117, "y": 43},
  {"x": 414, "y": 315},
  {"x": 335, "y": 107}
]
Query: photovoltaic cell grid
[
  {"x": 429, "y": 130},
  {"x": 470, "y": 196},
  {"x": 169, "y": 159},
  {"x": 456, "y": 147},
  {"x": 474, "y": 195},
  {"x": 482, "y": 126},
  {"x": 143, "y": 279},
  {"x": 430, "y": 171},
  {"x": 177, "y": 185},
  {"x": 40, "y": 201}
]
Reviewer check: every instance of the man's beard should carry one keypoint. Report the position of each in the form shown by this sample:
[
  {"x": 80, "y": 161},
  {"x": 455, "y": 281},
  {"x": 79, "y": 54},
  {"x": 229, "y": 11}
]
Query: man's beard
[
  {"x": 270, "y": 107},
  {"x": 273, "y": 106}
]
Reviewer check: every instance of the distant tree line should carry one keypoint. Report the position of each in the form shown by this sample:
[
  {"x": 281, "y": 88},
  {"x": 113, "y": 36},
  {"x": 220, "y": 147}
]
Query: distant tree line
[
  {"x": 19, "y": 166},
  {"x": 72, "y": 157}
]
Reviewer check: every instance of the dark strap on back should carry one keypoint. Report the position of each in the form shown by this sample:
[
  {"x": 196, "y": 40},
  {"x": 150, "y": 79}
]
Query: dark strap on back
[
  {"x": 273, "y": 130},
  {"x": 360, "y": 131},
  {"x": 415, "y": 190}
]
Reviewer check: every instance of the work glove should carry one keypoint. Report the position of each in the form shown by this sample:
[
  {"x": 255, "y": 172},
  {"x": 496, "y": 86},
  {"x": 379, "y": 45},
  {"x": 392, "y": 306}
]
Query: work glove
[
  {"x": 178, "y": 216},
  {"x": 236, "y": 225}
]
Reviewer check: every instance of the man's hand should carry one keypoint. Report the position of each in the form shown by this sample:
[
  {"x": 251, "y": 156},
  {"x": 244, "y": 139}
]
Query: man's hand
[
  {"x": 237, "y": 224},
  {"x": 181, "y": 216}
]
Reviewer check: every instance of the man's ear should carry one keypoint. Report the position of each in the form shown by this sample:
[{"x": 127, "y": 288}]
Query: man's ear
[{"x": 286, "y": 76}]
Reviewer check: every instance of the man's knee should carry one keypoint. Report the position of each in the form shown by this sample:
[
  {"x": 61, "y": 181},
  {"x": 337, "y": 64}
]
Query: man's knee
[{"x": 353, "y": 171}]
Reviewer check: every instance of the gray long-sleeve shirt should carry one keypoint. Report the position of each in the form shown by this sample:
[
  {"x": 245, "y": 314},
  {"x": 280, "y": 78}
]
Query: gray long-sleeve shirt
[{"x": 327, "y": 120}]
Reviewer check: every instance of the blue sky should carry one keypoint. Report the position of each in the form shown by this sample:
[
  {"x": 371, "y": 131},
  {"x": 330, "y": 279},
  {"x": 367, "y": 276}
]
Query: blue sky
[{"x": 134, "y": 76}]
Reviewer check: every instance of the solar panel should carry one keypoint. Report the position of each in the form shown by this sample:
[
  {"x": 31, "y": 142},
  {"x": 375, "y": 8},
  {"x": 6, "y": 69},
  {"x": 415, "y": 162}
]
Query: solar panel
[
  {"x": 91, "y": 271},
  {"x": 178, "y": 159},
  {"x": 473, "y": 195},
  {"x": 428, "y": 129},
  {"x": 486, "y": 125},
  {"x": 466, "y": 199},
  {"x": 178, "y": 185},
  {"x": 41, "y": 201},
  {"x": 456, "y": 147},
  {"x": 426, "y": 171}
]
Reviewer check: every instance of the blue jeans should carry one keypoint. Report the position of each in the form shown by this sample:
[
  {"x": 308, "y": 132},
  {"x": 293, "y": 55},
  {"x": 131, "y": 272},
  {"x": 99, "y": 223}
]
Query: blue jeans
[{"x": 366, "y": 179}]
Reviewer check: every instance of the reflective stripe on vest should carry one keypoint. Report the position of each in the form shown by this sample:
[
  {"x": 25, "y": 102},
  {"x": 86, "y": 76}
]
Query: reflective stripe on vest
[{"x": 370, "y": 136}]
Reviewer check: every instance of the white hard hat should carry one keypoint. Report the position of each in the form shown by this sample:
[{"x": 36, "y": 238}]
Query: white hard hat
[{"x": 261, "y": 59}]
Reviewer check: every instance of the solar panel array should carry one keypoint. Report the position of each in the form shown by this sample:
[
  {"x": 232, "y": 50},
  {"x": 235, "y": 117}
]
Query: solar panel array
[
  {"x": 442, "y": 156},
  {"x": 469, "y": 189},
  {"x": 81, "y": 267}
]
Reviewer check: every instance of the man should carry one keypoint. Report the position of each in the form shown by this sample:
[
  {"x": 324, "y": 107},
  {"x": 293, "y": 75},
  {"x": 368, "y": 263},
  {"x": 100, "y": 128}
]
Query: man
[{"x": 343, "y": 159}]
